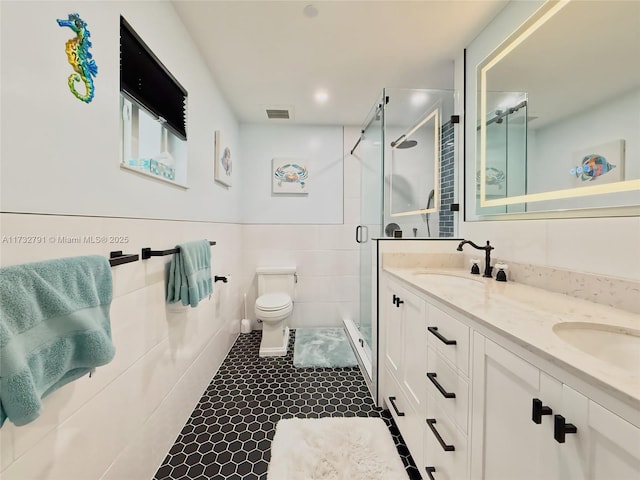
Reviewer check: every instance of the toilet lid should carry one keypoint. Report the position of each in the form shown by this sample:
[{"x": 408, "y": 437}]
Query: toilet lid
[{"x": 273, "y": 301}]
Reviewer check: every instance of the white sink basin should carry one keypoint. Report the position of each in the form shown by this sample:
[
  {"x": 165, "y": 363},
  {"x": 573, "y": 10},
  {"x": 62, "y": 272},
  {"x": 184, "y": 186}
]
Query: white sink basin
[
  {"x": 616, "y": 345},
  {"x": 449, "y": 279}
]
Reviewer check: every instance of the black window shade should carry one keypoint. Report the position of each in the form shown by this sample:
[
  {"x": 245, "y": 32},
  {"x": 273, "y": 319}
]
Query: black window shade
[{"x": 146, "y": 80}]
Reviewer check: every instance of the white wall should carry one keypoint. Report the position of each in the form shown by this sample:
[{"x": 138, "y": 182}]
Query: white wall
[
  {"x": 318, "y": 147},
  {"x": 69, "y": 151},
  {"x": 326, "y": 256},
  {"x": 61, "y": 156},
  {"x": 603, "y": 246}
]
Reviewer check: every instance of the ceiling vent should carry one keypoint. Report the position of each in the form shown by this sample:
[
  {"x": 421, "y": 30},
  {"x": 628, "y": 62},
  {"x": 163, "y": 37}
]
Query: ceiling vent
[{"x": 278, "y": 114}]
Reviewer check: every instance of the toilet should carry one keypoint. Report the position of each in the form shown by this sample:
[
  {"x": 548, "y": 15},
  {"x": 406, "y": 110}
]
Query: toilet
[{"x": 273, "y": 308}]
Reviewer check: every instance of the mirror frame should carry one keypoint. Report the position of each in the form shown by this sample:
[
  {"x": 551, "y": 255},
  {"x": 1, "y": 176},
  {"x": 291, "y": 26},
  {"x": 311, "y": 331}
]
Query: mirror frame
[{"x": 532, "y": 21}]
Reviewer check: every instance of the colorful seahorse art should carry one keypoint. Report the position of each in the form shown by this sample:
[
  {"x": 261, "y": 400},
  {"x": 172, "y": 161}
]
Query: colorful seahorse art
[
  {"x": 592, "y": 167},
  {"x": 79, "y": 57}
]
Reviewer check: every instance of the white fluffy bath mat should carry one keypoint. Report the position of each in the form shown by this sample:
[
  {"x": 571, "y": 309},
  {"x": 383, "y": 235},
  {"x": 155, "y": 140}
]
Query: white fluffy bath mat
[{"x": 332, "y": 448}]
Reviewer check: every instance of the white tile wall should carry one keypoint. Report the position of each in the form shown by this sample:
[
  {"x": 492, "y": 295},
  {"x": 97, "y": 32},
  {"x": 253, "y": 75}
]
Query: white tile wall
[
  {"x": 127, "y": 415},
  {"x": 327, "y": 263},
  {"x": 601, "y": 246}
]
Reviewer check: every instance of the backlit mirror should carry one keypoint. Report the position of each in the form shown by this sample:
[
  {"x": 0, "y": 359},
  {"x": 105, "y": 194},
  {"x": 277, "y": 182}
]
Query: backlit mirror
[{"x": 557, "y": 124}]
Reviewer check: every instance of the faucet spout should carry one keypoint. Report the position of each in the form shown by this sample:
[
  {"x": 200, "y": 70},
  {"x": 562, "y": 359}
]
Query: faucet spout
[{"x": 487, "y": 255}]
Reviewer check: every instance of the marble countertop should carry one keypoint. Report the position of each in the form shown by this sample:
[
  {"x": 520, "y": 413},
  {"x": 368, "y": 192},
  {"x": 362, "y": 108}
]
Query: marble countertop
[{"x": 527, "y": 315}]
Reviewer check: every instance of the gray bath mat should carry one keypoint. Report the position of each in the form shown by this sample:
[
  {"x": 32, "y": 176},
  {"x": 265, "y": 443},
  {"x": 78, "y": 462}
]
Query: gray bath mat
[{"x": 322, "y": 348}]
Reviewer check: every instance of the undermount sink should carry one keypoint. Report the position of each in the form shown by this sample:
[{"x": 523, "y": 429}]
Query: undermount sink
[
  {"x": 448, "y": 279},
  {"x": 618, "y": 346}
]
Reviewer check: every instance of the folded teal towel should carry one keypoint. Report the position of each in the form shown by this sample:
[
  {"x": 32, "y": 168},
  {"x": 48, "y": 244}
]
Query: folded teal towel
[
  {"x": 54, "y": 328},
  {"x": 190, "y": 273}
]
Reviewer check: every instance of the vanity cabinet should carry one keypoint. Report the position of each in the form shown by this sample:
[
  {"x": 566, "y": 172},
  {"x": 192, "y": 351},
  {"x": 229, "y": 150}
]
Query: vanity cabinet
[
  {"x": 405, "y": 358},
  {"x": 528, "y": 425},
  {"x": 469, "y": 405}
]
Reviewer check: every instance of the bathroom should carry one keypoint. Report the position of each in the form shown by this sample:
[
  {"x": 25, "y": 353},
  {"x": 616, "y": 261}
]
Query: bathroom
[{"x": 61, "y": 181}]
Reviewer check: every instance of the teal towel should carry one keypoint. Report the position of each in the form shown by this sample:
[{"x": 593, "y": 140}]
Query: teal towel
[
  {"x": 190, "y": 273},
  {"x": 54, "y": 328}
]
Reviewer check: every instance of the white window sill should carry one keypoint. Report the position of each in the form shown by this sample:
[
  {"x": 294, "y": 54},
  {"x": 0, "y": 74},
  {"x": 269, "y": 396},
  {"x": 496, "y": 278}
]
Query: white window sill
[{"x": 154, "y": 177}]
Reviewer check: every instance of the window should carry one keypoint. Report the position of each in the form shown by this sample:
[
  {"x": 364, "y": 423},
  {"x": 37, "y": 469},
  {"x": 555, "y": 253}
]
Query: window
[{"x": 153, "y": 112}]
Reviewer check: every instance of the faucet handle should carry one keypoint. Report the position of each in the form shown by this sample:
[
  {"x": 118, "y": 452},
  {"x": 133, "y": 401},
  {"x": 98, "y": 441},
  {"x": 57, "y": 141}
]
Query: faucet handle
[
  {"x": 475, "y": 266},
  {"x": 501, "y": 276}
]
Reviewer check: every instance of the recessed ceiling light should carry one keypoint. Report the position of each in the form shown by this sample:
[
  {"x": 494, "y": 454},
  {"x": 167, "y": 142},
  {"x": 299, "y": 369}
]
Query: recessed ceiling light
[
  {"x": 321, "y": 96},
  {"x": 310, "y": 11}
]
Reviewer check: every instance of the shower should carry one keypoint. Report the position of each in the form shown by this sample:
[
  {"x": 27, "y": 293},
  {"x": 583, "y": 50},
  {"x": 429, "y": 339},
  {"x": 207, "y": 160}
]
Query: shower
[{"x": 403, "y": 143}]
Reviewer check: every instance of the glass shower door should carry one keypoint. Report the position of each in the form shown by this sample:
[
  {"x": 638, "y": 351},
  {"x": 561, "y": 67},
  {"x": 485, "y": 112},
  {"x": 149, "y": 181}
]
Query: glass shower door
[{"x": 371, "y": 214}]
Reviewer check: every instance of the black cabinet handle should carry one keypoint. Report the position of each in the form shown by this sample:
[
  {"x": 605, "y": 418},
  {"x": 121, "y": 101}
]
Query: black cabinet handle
[
  {"x": 444, "y": 340},
  {"x": 538, "y": 410},
  {"x": 392, "y": 401},
  {"x": 432, "y": 376},
  {"x": 430, "y": 470},
  {"x": 396, "y": 300},
  {"x": 447, "y": 448},
  {"x": 561, "y": 428},
  {"x": 358, "y": 232}
]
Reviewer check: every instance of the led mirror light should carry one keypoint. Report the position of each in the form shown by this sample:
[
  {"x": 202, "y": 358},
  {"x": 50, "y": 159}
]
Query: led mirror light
[{"x": 518, "y": 38}]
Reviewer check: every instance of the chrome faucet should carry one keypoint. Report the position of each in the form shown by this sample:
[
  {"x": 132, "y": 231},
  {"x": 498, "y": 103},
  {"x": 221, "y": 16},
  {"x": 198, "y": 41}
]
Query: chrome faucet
[{"x": 487, "y": 255}]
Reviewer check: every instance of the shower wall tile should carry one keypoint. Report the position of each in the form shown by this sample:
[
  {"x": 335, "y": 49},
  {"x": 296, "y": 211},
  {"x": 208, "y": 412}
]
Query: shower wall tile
[{"x": 446, "y": 222}]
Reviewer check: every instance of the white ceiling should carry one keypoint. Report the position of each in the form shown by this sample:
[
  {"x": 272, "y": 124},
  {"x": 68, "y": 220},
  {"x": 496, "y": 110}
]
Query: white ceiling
[{"x": 270, "y": 54}]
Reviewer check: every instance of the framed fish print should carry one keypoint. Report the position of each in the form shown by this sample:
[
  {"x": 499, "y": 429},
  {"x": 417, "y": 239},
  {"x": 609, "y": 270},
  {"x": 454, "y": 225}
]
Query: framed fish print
[
  {"x": 598, "y": 165},
  {"x": 290, "y": 176},
  {"x": 223, "y": 165}
]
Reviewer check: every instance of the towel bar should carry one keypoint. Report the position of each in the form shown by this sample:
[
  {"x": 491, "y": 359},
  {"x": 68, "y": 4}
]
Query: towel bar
[
  {"x": 119, "y": 258},
  {"x": 148, "y": 253}
]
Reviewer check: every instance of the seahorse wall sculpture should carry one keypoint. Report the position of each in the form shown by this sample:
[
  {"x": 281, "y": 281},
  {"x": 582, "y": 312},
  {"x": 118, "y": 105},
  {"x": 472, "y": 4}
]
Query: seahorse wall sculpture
[{"x": 79, "y": 57}]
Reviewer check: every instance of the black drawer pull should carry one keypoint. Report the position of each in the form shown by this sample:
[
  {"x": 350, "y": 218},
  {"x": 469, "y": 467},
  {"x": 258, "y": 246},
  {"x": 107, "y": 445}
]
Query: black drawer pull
[
  {"x": 561, "y": 428},
  {"x": 538, "y": 410},
  {"x": 395, "y": 297},
  {"x": 392, "y": 401},
  {"x": 446, "y": 341},
  {"x": 430, "y": 470},
  {"x": 447, "y": 448},
  {"x": 432, "y": 376}
]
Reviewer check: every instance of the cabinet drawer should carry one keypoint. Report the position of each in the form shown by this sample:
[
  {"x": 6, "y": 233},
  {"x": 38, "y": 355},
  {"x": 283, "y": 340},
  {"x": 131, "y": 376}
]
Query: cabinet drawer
[
  {"x": 409, "y": 422},
  {"x": 457, "y": 408},
  {"x": 449, "y": 464},
  {"x": 443, "y": 330}
]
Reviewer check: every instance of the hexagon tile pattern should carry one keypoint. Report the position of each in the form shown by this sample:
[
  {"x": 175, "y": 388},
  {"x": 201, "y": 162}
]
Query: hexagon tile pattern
[{"x": 229, "y": 433}]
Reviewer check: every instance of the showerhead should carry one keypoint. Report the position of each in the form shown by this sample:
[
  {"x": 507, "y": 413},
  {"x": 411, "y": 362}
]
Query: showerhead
[
  {"x": 402, "y": 142},
  {"x": 407, "y": 144}
]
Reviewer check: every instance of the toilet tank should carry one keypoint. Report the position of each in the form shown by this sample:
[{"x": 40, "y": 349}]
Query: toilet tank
[{"x": 276, "y": 279}]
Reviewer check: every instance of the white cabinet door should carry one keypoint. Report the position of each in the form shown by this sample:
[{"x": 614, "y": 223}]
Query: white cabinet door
[
  {"x": 392, "y": 321},
  {"x": 406, "y": 340},
  {"x": 506, "y": 443},
  {"x": 414, "y": 353},
  {"x": 603, "y": 447},
  {"x": 575, "y": 439}
]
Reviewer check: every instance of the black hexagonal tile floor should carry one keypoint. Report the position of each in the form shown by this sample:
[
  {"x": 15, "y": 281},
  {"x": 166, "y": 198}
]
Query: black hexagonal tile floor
[{"x": 229, "y": 433}]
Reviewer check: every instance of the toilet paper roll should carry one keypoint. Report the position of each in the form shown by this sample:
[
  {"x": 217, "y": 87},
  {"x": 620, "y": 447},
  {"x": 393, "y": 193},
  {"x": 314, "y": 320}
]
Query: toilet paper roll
[{"x": 245, "y": 326}]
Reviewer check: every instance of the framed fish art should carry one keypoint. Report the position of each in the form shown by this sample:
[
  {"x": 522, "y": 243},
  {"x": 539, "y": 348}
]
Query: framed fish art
[
  {"x": 289, "y": 176},
  {"x": 598, "y": 165}
]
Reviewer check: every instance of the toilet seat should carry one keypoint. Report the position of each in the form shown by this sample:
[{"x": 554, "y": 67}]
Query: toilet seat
[{"x": 272, "y": 302}]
